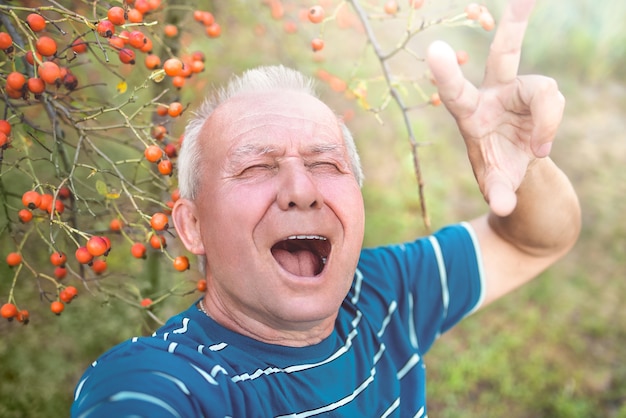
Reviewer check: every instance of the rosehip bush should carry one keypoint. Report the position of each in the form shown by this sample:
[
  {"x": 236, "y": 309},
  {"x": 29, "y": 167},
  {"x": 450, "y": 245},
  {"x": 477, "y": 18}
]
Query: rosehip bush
[
  {"x": 94, "y": 97},
  {"x": 82, "y": 172}
]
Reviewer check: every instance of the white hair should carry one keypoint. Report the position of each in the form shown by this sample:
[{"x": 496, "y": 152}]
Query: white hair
[{"x": 260, "y": 79}]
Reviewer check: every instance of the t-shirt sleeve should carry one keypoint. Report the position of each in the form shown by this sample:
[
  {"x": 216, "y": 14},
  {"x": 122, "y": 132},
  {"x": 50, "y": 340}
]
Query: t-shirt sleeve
[{"x": 436, "y": 281}]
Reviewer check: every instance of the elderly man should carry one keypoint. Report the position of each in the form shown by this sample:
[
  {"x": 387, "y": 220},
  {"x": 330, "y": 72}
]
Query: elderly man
[{"x": 298, "y": 320}]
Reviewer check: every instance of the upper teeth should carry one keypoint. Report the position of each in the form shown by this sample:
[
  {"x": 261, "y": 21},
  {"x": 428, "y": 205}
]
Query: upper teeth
[{"x": 306, "y": 237}]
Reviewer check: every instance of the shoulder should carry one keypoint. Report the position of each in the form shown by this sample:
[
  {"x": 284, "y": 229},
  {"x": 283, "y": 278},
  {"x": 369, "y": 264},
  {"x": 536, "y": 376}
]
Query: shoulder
[{"x": 162, "y": 372}]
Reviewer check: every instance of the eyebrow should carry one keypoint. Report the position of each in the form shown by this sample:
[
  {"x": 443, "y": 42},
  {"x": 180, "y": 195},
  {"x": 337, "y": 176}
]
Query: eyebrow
[{"x": 256, "y": 149}]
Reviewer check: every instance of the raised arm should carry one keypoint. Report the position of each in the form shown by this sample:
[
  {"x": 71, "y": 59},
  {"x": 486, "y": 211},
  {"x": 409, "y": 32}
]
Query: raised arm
[{"x": 508, "y": 125}]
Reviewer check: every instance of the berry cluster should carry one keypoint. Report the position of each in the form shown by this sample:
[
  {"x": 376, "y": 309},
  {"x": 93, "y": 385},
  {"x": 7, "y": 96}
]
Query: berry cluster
[{"x": 92, "y": 161}]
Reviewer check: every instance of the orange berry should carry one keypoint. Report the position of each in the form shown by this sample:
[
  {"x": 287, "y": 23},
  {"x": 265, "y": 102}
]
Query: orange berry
[
  {"x": 170, "y": 30},
  {"x": 153, "y": 153},
  {"x": 472, "y": 11},
  {"x": 23, "y": 316},
  {"x": 127, "y": 56},
  {"x": 46, "y": 202},
  {"x": 116, "y": 15},
  {"x": 117, "y": 42},
  {"x": 36, "y": 22},
  {"x": 60, "y": 272},
  {"x": 83, "y": 255},
  {"x": 391, "y": 7},
  {"x": 99, "y": 266},
  {"x": 138, "y": 250},
  {"x": 316, "y": 14},
  {"x": 173, "y": 67},
  {"x": 317, "y": 44},
  {"x": 486, "y": 20},
  {"x": 147, "y": 46},
  {"x": 137, "y": 39},
  {"x": 30, "y": 57},
  {"x": 97, "y": 246},
  {"x": 152, "y": 62},
  {"x": 146, "y": 302},
  {"x": 16, "y": 80},
  {"x": 198, "y": 56},
  {"x": 159, "y": 221},
  {"x": 435, "y": 100},
  {"x": 181, "y": 263},
  {"x": 5, "y": 127},
  {"x": 201, "y": 285},
  {"x": 49, "y": 72},
  {"x": 46, "y": 46},
  {"x": 175, "y": 109},
  {"x": 135, "y": 16},
  {"x": 31, "y": 199},
  {"x": 204, "y": 17},
  {"x": 170, "y": 150},
  {"x": 161, "y": 110},
  {"x": 8, "y": 311},
  {"x": 71, "y": 291},
  {"x": 36, "y": 85},
  {"x": 4, "y": 141},
  {"x": 79, "y": 46},
  {"x": 14, "y": 259},
  {"x": 214, "y": 30},
  {"x": 416, "y": 4},
  {"x": 58, "y": 258},
  {"x": 178, "y": 81},
  {"x": 6, "y": 41},
  {"x": 142, "y": 5},
  {"x": 165, "y": 167},
  {"x": 197, "y": 66},
  {"x": 105, "y": 28},
  {"x": 115, "y": 225},
  {"x": 57, "y": 307},
  {"x": 175, "y": 195},
  {"x": 159, "y": 132},
  {"x": 157, "y": 241},
  {"x": 25, "y": 215}
]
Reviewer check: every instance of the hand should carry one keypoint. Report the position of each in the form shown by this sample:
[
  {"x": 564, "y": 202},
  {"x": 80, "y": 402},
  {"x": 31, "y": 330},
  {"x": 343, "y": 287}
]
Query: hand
[{"x": 510, "y": 120}]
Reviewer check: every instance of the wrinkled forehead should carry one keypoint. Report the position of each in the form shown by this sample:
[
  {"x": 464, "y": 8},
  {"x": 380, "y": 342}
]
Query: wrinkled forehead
[{"x": 278, "y": 115}]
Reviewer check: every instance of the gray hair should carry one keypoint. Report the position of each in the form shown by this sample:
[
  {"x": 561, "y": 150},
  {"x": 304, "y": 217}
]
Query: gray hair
[{"x": 260, "y": 79}]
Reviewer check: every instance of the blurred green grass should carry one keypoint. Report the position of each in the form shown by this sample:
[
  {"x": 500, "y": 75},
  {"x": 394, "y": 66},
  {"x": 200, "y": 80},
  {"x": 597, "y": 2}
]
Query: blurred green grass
[{"x": 555, "y": 348}]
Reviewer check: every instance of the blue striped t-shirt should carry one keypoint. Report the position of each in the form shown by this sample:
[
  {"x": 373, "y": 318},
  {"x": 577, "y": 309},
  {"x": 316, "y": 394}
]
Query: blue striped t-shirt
[{"x": 402, "y": 298}]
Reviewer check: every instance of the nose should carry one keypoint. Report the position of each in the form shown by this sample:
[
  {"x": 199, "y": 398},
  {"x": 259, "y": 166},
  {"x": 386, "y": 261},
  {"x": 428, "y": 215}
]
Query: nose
[{"x": 298, "y": 188}]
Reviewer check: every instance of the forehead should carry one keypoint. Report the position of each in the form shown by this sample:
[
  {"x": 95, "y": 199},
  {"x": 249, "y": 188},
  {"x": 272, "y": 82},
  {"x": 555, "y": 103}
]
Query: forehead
[{"x": 273, "y": 118}]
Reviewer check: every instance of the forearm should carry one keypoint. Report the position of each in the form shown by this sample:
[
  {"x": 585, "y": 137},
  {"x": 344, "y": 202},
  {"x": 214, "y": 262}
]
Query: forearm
[{"x": 546, "y": 220}]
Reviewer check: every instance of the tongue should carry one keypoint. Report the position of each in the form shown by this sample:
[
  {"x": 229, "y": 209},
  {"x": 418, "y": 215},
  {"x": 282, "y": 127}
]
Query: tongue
[{"x": 300, "y": 262}]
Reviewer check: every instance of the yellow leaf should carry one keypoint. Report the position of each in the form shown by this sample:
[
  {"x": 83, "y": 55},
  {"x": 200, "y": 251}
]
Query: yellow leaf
[
  {"x": 122, "y": 86},
  {"x": 101, "y": 187},
  {"x": 112, "y": 195}
]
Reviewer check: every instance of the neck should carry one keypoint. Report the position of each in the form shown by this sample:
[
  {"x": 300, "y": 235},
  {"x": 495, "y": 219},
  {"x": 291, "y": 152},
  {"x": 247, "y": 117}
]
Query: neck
[{"x": 278, "y": 332}]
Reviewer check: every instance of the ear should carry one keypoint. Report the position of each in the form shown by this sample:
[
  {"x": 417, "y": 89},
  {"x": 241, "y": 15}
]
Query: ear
[{"x": 187, "y": 225}]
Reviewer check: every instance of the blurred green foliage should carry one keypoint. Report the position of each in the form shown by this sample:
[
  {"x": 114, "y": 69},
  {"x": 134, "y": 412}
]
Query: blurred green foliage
[{"x": 552, "y": 349}]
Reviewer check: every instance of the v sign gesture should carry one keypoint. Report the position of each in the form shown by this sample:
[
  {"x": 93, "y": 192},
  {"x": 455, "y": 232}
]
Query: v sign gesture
[{"x": 508, "y": 125}]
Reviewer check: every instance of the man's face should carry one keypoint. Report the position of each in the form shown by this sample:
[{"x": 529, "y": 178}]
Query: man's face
[{"x": 279, "y": 212}]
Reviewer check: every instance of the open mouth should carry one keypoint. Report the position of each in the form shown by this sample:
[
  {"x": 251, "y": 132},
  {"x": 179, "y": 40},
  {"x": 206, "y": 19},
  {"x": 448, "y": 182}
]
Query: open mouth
[{"x": 302, "y": 255}]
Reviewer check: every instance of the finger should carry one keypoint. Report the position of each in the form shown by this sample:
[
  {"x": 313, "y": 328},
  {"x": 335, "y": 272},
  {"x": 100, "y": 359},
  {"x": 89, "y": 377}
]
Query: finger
[
  {"x": 505, "y": 52},
  {"x": 500, "y": 196},
  {"x": 459, "y": 95},
  {"x": 546, "y": 105}
]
